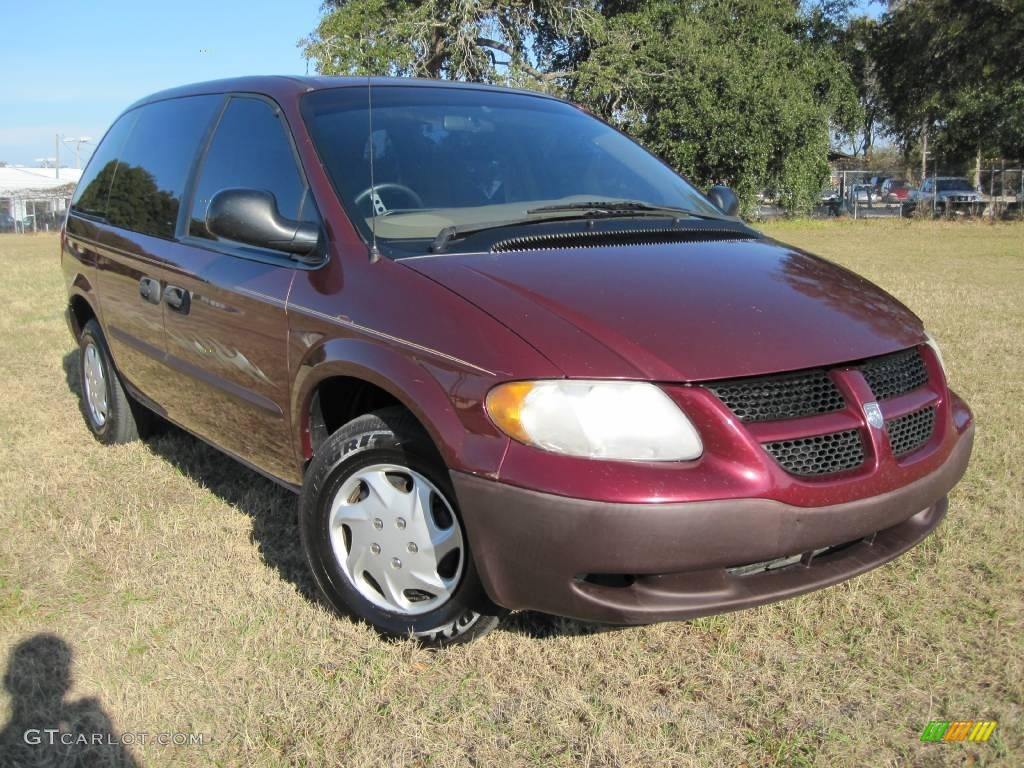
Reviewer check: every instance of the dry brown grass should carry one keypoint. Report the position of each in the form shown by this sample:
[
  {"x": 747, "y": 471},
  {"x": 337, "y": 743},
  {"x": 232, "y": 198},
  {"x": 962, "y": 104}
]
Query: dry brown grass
[{"x": 173, "y": 576}]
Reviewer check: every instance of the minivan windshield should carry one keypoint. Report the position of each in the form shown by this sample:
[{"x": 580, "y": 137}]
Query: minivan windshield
[{"x": 471, "y": 158}]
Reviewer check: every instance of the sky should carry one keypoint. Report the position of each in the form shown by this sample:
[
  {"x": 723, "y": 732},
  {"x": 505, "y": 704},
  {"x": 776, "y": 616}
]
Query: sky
[{"x": 71, "y": 68}]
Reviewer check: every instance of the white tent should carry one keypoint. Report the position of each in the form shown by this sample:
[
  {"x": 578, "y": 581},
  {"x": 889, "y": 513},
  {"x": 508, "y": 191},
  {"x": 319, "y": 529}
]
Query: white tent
[{"x": 36, "y": 198}]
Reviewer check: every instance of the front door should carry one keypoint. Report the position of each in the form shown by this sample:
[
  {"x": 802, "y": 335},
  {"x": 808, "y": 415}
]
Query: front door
[{"x": 225, "y": 315}]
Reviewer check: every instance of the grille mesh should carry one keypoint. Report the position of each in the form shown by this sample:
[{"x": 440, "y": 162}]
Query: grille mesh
[
  {"x": 786, "y": 396},
  {"x": 895, "y": 374},
  {"x": 910, "y": 432},
  {"x": 812, "y": 392},
  {"x": 818, "y": 455}
]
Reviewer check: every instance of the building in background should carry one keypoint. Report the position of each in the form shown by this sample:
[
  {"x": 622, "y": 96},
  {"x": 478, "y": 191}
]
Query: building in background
[{"x": 35, "y": 198}]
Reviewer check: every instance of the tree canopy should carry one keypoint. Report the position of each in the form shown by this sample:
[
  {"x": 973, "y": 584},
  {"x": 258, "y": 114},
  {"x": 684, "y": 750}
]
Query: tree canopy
[
  {"x": 513, "y": 42},
  {"x": 744, "y": 92},
  {"x": 954, "y": 68},
  {"x": 735, "y": 92}
]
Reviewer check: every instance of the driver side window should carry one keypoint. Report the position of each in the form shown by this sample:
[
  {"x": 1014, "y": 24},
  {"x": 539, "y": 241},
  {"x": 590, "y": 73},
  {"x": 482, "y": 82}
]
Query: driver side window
[{"x": 250, "y": 150}]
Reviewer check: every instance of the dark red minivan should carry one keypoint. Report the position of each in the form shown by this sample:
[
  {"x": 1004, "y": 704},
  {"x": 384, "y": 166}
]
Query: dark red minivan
[{"x": 509, "y": 359}]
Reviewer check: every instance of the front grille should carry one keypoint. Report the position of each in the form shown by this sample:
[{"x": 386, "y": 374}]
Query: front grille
[
  {"x": 910, "y": 432},
  {"x": 895, "y": 374},
  {"x": 785, "y": 396},
  {"x": 812, "y": 392},
  {"x": 818, "y": 455}
]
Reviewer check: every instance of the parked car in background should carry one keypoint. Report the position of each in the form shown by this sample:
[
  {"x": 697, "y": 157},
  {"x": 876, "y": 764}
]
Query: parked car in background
[
  {"x": 895, "y": 190},
  {"x": 832, "y": 202},
  {"x": 554, "y": 376},
  {"x": 862, "y": 194},
  {"x": 947, "y": 195}
]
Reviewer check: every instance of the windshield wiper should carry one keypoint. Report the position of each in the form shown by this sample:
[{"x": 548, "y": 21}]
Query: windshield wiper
[
  {"x": 619, "y": 207},
  {"x": 568, "y": 212}
]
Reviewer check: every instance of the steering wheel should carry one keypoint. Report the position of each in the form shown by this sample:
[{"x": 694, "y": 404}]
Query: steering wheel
[{"x": 373, "y": 193}]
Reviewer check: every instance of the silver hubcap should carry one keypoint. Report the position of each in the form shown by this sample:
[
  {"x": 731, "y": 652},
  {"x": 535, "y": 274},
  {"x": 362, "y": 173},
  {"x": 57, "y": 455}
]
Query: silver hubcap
[
  {"x": 397, "y": 539},
  {"x": 95, "y": 385}
]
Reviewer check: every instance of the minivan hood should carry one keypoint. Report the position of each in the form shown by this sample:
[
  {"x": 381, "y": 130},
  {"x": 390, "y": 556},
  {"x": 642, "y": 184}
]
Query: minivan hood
[{"x": 680, "y": 311}]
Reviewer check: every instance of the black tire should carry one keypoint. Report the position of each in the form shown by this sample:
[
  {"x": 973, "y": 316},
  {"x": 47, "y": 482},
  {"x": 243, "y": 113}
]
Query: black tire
[
  {"x": 387, "y": 437},
  {"x": 124, "y": 419}
]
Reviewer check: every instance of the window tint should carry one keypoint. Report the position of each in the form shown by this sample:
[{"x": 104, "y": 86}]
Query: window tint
[
  {"x": 90, "y": 198},
  {"x": 154, "y": 164},
  {"x": 250, "y": 150}
]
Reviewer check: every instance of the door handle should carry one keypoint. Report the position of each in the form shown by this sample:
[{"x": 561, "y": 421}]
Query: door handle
[
  {"x": 177, "y": 299},
  {"x": 149, "y": 289}
]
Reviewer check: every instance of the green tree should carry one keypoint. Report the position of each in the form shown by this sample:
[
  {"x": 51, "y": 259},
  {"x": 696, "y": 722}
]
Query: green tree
[
  {"x": 743, "y": 92},
  {"x": 740, "y": 92},
  {"x": 951, "y": 72},
  {"x": 513, "y": 42},
  {"x": 852, "y": 38}
]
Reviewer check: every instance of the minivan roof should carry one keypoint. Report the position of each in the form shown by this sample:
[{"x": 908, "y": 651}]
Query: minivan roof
[{"x": 272, "y": 85}]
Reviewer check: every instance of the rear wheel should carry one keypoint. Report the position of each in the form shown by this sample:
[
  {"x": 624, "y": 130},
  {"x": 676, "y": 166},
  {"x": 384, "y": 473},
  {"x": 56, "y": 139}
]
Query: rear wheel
[
  {"x": 381, "y": 530},
  {"x": 112, "y": 416}
]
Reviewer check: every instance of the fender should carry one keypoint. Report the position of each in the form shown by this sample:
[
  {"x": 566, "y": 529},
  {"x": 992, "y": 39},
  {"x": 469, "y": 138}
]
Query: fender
[
  {"x": 80, "y": 288},
  {"x": 78, "y": 241},
  {"x": 457, "y": 424}
]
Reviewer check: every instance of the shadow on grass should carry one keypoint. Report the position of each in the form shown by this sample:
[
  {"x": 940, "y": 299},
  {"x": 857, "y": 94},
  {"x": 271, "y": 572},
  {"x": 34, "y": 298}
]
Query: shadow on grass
[
  {"x": 46, "y": 729},
  {"x": 542, "y": 626},
  {"x": 274, "y": 511}
]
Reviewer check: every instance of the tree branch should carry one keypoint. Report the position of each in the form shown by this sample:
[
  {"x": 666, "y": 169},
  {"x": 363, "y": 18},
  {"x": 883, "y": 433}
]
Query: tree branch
[{"x": 486, "y": 42}]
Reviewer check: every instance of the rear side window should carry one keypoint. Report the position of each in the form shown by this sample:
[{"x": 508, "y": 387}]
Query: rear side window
[
  {"x": 90, "y": 198},
  {"x": 250, "y": 150},
  {"x": 154, "y": 163}
]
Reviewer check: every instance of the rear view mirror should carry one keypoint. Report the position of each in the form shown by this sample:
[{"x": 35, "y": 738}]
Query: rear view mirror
[
  {"x": 724, "y": 199},
  {"x": 250, "y": 216}
]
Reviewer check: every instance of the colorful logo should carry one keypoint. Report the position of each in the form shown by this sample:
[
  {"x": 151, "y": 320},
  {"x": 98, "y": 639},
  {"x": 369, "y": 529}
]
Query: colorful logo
[{"x": 958, "y": 730}]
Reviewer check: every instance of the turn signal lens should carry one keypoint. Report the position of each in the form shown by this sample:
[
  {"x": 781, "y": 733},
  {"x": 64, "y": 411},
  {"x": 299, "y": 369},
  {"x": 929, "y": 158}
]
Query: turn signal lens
[
  {"x": 505, "y": 407},
  {"x": 931, "y": 342}
]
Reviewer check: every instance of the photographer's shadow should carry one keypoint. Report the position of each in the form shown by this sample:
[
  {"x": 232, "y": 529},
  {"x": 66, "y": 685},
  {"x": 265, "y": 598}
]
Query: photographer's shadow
[{"x": 46, "y": 730}]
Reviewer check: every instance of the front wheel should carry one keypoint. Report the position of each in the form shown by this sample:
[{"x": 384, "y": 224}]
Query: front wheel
[{"x": 381, "y": 530}]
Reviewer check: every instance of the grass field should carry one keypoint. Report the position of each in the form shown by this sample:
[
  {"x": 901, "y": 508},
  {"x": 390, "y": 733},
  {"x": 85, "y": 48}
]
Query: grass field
[{"x": 169, "y": 579}]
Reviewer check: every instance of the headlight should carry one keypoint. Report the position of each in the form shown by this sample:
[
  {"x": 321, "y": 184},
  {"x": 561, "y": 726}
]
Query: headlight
[
  {"x": 935, "y": 348},
  {"x": 628, "y": 420}
]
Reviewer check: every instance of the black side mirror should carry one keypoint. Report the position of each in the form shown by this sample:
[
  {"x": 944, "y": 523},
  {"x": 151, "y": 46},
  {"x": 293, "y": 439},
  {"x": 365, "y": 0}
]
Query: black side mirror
[
  {"x": 250, "y": 216},
  {"x": 724, "y": 199}
]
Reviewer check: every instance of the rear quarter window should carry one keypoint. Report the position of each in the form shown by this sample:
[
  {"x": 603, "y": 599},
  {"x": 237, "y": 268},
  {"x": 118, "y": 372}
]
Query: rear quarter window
[
  {"x": 153, "y": 164},
  {"x": 90, "y": 198}
]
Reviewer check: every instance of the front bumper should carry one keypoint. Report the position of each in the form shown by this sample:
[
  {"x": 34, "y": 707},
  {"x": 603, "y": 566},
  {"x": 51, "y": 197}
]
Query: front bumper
[{"x": 641, "y": 563}]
